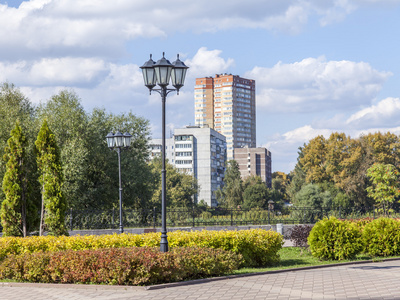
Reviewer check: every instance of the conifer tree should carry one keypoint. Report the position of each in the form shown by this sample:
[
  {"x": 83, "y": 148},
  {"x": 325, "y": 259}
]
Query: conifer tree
[
  {"x": 13, "y": 106},
  {"x": 14, "y": 207},
  {"x": 49, "y": 164}
]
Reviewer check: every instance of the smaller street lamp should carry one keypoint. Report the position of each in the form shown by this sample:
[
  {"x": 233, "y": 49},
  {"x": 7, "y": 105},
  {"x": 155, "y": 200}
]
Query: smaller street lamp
[
  {"x": 271, "y": 205},
  {"x": 270, "y": 208},
  {"x": 116, "y": 142}
]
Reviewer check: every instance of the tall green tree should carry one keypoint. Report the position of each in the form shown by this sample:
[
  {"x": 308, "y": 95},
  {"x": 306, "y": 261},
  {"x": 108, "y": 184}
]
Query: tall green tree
[
  {"x": 311, "y": 195},
  {"x": 255, "y": 193},
  {"x": 181, "y": 188},
  {"x": 102, "y": 176},
  {"x": 298, "y": 179},
  {"x": 279, "y": 189},
  {"x": 90, "y": 169},
  {"x": 17, "y": 210},
  {"x": 385, "y": 188},
  {"x": 68, "y": 121},
  {"x": 231, "y": 195},
  {"x": 51, "y": 179},
  {"x": 15, "y": 106},
  {"x": 313, "y": 160}
]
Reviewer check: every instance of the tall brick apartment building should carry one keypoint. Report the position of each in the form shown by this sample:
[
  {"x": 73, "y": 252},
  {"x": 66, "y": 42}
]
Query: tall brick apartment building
[{"x": 227, "y": 104}]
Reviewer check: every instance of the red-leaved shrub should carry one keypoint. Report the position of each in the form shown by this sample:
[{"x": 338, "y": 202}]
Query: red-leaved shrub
[{"x": 123, "y": 266}]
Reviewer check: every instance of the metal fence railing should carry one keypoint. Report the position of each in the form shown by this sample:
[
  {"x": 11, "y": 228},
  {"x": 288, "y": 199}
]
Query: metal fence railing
[
  {"x": 92, "y": 219},
  {"x": 196, "y": 217}
]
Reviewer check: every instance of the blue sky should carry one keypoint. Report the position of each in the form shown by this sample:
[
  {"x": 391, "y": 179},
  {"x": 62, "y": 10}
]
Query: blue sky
[{"x": 320, "y": 65}]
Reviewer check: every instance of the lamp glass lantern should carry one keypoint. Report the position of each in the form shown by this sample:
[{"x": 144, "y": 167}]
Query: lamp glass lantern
[
  {"x": 149, "y": 74},
  {"x": 163, "y": 69},
  {"x": 119, "y": 139},
  {"x": 178, "y": 73},
  {"x": 110, "y": 140},
  {"x": 127, "y": 139},
  {"x": 271, "y": 205}
]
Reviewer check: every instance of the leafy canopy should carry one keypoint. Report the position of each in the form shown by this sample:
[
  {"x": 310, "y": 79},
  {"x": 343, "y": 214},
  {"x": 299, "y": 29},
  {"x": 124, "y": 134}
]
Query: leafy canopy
[{"x": 385, "y": 188}]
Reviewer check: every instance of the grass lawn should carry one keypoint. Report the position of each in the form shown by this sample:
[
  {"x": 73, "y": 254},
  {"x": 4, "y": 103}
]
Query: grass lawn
[{"x": 294, "y": 257}]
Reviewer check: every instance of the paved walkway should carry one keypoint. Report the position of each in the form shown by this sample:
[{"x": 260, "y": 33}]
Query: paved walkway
[{"x": 378, "y": 280}]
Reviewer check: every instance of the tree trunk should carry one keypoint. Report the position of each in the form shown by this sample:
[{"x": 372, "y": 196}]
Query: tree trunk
[
  {"x": 23, "y": 204},
  {"x": 42, "y": 213}
]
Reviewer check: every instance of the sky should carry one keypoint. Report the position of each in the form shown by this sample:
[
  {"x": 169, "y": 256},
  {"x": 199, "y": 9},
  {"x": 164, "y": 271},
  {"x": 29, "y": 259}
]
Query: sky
[{"x": 320, "y": 66}]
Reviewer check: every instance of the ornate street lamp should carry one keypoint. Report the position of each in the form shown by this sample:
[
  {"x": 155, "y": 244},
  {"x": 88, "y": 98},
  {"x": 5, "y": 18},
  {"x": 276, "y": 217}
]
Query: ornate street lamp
[
  {"x": 270, "y": 208},
  {"x": 116, "y": 142},
  {"x": 161, "y": 73}
]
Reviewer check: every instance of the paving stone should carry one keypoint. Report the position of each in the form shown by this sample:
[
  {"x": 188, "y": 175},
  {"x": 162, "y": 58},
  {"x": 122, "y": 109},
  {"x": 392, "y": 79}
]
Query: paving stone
[{"x": 377, "y": 280}]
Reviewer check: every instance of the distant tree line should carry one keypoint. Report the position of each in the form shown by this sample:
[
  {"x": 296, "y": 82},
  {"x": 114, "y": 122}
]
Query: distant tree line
[
  {"x": 330, "y": 172},
  {"x": 82, "y": 170},
  {"x": 347, "y": 172},
  {"x": 252, "y": 192}
]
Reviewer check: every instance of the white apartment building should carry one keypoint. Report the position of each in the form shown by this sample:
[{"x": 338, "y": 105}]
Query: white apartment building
[{"x": 200, "y": 151}]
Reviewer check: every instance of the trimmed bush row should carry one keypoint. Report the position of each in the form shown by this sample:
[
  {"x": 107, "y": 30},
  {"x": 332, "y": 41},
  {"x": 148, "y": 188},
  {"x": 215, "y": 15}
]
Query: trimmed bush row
[
  {"x": 257, "y": 246},
  {"x": 123, "y": 266},
  {"x": 333, "y": 239}
]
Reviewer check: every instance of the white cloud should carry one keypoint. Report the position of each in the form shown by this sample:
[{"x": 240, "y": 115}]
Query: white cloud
[
  {"x": 55, "y": 71},
  {"x": 385, "y": 113},
  {"x": 40, "y": 94},
  {"x": 103, "y": 83},
  {"x": 206, "y": 62},
  {"x": 334, "y": 11},
  {"x": 382, "y": 117},
  {"x": 316, "y": 84},
  {"x": 97, "y": 82},
  {"x": 62, "y": 26},
  {"x": 376, "y": 2},
  {"x": 304, "y": 134},
  {"x": 292, "y": 21},
  {"x": 284, "y": 147}
]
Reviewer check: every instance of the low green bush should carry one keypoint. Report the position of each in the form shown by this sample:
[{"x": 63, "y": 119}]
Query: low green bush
[
  {"x": 333, "y": 239},
  {"x": 123, "y": 266},
  {"x": 257, "y": 246},
  {"x": 382, "y": 237}
]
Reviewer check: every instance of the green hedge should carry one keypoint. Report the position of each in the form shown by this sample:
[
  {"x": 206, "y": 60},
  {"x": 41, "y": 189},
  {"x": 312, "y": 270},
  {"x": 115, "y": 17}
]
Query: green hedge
[
  {"x": 257, "y": 246},
  {"x": 341, "y": 239},
  {"x": 333, "y": 239},
  {"x": 382, "y": 237},
  {"x": 123, "y": 266}
]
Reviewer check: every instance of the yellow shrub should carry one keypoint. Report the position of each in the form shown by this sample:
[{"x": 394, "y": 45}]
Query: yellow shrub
[{"x": 258, "y": 247}]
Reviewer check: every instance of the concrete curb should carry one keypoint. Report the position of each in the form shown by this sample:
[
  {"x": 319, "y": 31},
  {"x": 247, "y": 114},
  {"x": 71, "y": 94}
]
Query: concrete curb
[{"x": 71, "y": 286}]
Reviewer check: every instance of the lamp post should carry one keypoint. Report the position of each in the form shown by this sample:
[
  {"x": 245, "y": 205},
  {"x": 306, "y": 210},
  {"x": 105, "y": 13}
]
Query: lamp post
[
  {"x": 116, "y": 142},
  {"x": 160, "y": 73},
  {"x": 270, "y": 208}
]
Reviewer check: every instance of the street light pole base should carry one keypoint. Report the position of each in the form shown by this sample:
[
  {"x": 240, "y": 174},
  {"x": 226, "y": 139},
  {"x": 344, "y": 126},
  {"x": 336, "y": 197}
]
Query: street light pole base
[{"x": 164, "y": 243}]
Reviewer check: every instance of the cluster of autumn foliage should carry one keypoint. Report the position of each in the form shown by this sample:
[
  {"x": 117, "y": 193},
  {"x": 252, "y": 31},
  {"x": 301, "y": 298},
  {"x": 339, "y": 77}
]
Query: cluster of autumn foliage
[{"x": 341, "y": 167}]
